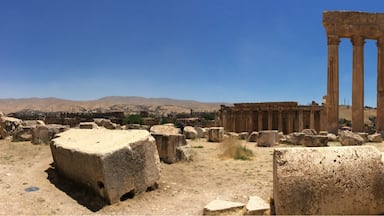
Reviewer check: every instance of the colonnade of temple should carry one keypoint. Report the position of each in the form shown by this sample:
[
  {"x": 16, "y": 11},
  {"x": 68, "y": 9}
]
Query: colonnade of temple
[
  {"x": 358, "y": 26},
  {"x": 286, "y": 117}
]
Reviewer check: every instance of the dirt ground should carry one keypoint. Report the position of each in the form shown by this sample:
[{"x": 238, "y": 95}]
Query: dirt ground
[{"x": 184, "y": 187}]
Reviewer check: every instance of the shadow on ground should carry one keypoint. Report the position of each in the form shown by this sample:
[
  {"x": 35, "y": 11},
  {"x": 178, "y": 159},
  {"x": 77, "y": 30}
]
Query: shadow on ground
[{"x": 83, "y": 195}]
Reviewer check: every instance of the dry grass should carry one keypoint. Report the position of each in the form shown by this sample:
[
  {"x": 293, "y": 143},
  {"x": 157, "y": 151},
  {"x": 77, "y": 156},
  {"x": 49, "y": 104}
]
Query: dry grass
[{"x": 236, "y": 149}]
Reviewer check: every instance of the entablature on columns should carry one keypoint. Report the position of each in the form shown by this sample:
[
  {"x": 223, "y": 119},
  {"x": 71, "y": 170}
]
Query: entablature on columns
[{"x": 346, "y": 24}]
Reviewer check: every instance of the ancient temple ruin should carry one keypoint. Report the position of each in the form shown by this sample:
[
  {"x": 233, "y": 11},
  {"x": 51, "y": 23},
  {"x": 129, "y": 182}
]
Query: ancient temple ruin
[
  {"x": 358, "y": 26},
  {"x": 286, "y": 117}
]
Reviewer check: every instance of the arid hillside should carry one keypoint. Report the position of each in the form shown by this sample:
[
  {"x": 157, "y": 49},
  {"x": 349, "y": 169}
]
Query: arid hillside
[{"x": 113, "y": 103}]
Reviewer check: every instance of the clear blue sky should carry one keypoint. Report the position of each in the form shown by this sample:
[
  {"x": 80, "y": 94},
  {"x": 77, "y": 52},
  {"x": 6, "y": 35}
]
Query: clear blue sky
[{"x": 205, "y": 50}]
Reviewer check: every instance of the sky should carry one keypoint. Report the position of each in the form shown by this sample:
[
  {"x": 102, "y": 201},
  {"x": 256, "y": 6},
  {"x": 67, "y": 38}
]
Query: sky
[{"x": 206, "y": 50}]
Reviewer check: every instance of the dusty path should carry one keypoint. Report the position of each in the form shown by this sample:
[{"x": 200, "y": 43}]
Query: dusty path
[{"x": 184, "y": 188}]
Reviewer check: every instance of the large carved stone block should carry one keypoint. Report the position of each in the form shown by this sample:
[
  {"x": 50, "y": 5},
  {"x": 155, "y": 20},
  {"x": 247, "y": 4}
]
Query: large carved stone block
[
  {"x": 268, "y": 138},
  {"x": 113, "y": 163},
  {"x": 328, "y": 181},
  {"x": 167, "y": 145},
  {"x": 215, "y": 134}
]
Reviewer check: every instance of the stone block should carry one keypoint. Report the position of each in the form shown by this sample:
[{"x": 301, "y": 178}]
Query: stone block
[
  {"x": 243, "y": 135},
  {"x": 113, "y": 163},
  {"x": 167, "y": 145},
  {"x": 45, "y": 133},
  {"x": 223, "y": 207},
  {"x": 348, "y": 138},
  {"x": 107, "y": 123},
  {"x": 332, "y": 137},
  {"x": 215, "y": 134},
  {"x": 375, "y": 137},
  {"x": 364, "y": 136},
  {"x": 328, "y": 181},
  {"x": 253, "y": 136},
  {"x": 257, "y": 206},
  {"x": 9, "y": 126},
  {"x": 315, "y": 140},
  {"x": 190, "y": 132},
  {"x": 88, "y": 125},
  {"x": 295, "y": 138},
  {"x": 268, "y": 138},
  {"x": 164, "y": 129},
  {"x": 200, "y": 132},
  {"x": 309, "y": 131}
]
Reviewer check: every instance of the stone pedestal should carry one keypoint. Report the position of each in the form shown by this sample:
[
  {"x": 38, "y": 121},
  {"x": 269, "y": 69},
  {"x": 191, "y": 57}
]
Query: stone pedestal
[
  {"x": 215, "y": 134},
  {"x": 167, "y": 145}
]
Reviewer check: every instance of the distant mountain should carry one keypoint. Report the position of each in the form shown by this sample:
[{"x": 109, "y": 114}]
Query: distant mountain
[{"x": 128, "y": 104}]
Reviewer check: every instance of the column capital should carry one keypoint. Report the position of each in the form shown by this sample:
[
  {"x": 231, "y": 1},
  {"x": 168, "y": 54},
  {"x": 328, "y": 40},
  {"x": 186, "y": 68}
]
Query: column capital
[
  {"x": 357, "y": 40},
  {"x": 333, "y": 40}
]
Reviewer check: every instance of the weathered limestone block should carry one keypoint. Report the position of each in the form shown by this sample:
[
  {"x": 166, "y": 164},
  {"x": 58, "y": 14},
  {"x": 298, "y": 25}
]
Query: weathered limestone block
[
  {"x": 324, "y": 133},
  {"x": 295, "y": 138},
  {"x": 107, "y": 123},
  {"x": 9, "y": 126},
  {"x": 328, "y": 181},
  {"x": 315, "y": 140},
  {"x": 136, "y": 126},
  {"x": 113, "y": 163},
  {"x": 190, "y": 132},
  {"x": 24, "y": 133},
  {"x": 184, "y": 153},
  {"x": 32, "y": 123},
  {"x": 257, "y": 206},
  {"x": 215, "y": 134},
  {"x": 223, "y": 207},
  {"x": 253, "y": 136},
  {"x": 364, "y": 136},
  {"x": 165, "y": 129},
  {"x": 167, "y": 145},
  {"x": 375, "y": 137},
  {"x": 45, "y": 133},
  {"x": 332, "y": 137},
  {"x": 231, "y": 134},
  {"x": 200, "y": 132},
  {"x": 88, "y": 125},
  {"x": 268, "y": 138},
  {"x": 309, "y": 131},
  {"x": 348, "y": 138},
  {"x": 243, "y": 135},
  {"x": 282, "y": 138}
]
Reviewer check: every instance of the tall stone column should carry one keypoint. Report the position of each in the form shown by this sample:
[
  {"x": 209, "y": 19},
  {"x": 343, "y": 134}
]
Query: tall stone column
[
  {"x": 260, "y": 120},
  {"x": 301, "y": 120},
  {"x": 290, "y": 122},
  {"x": 358, "y": 84},
  {"x": 280, "y": 123},
  {"x": 380, "y": 85},
  {"x": 312, "y": 119},
  {"x": 270, "y": 120},
  {"x": 332, "y": 101}
]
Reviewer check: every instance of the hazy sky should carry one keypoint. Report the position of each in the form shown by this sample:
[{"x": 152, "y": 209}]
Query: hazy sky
[{"x": 205, "y": 50}]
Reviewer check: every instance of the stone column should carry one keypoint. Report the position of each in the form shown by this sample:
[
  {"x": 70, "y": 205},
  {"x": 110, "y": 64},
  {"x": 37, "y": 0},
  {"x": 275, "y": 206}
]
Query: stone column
[
  {"x": 250, "y": 121},
  {"x": 380, "y": 85},
  {"x": 260, "y": 120},
  {"x": 301, "y": 120},
  {"x": 270, "y": 120},
  {"x": 333, "y": 84},
  {"x": 312, "y": 119},
  {"x": 358, "y": 84},
  {"x": 280, "y": 123},
  {"x": 290, "y": 122}
]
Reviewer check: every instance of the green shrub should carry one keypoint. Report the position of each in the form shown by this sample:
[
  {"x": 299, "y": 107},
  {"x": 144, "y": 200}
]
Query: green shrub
[{"x": 134, "y": 119}]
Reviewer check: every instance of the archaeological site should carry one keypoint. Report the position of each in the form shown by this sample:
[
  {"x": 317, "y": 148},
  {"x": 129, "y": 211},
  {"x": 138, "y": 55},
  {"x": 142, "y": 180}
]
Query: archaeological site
[{"x": 261, "y": 158}]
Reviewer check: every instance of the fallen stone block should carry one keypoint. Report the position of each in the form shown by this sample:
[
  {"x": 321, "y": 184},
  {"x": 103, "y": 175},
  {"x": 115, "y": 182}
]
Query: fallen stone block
[
  {"x": 268, "y": 138},
  {"x": 164, "y": 129},
  {"x": 113, "y": 163},
  {"x": 9, "y": 126},
  {"x": 332, "y": 137},
  {"x": 295, "y": 138},
  {"x": 348, "y": 138},
  {"x": 309, "y": 131},
  {"x": 243, "y": 135},
  {"x": 328, "y": 181},
  {"x": 190, "y": 132},
  {"x": 257, "y": 206},
  {"x": 88, "y": 125},
  {"x": 315, "y": 140},
  {"x": 107, "y": 123},
  {"x": 223, "y": 207},
  {"x": 45, "y": 133},
  {"x": 375, "y": 137},
  {"x": 253, "y": 136},
  {"x": 167, "y": 145},
  {"x": 215, "y": 134},
  {"x": 201, "y": 132},
  {"x": 364, "y": 136}
]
